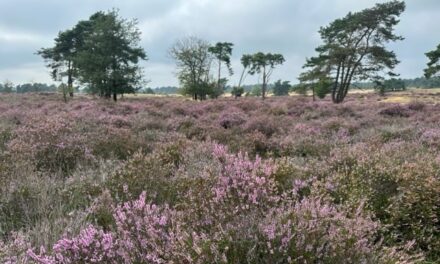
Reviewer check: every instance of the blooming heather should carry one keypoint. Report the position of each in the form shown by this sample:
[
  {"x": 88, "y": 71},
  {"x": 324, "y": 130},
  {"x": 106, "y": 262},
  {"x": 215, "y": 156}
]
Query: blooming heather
[{"x": 169, "y": 180}]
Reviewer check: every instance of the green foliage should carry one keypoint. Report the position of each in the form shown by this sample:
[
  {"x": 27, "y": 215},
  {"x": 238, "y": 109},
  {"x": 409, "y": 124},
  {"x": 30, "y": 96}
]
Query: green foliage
[
  {"x": 300, "y": 88},
  {"x": 217, "y": 90},
  {"x": 281, "y": 88},
  {"x": 390, "y": 85},
  {"x": 262, "y": 63},
  {"x": 148, "y": 90},
  {"x": 433, "y": 64},
  {"x": 193, "y": 62},
  {"x": 354, "y": 47},
  {"x": 246, "y": 62},
  {"x": 102, "y": 53},
  {"x": 35, "y": 87},
  {"x": 256, "y": 91},
  {"x": 323, "y": 87},
  {"x": 237, "y": 91},
  {"x": 222, "y": 51},
  {"x": 108, "y": 62},
  {"x": 61, "y": 58},
  {"x": 7, "y": 87}
]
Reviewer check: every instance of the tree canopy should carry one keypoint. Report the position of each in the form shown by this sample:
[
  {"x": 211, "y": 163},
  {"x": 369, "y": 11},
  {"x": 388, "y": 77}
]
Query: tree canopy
[
  {"x": 60, "y": 58},
  {"x": 222, "y": 52},
  {"x": 354, "y": 48},
  {"x": 102, "y": 52},
  {"x": 193, "y": 61},
  {"x": 434, "y": 63},
  {"x": 264, "y": 64},
  {"x": 390, "y": 85}
]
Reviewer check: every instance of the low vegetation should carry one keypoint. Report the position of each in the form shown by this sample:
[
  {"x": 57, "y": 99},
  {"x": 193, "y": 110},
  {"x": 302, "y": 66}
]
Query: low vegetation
[{"x": 169, "y": 180}]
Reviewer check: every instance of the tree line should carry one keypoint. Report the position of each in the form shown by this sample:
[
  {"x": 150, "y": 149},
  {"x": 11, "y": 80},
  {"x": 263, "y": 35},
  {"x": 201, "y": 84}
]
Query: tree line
[
  {"x": 103, "y": 54},
  {"x": 9, "y": 87}
]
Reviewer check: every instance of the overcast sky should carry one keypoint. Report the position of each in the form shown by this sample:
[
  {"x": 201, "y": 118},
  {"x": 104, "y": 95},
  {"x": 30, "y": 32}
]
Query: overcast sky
[{"x": 288, "y": 27}]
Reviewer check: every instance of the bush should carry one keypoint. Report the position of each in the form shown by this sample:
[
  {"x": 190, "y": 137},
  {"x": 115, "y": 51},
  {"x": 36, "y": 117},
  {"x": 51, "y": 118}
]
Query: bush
[
  {"x": 395, "y": 111},
  {"x": 265, "y": 125},
  {"x": 232, "y": 118}
]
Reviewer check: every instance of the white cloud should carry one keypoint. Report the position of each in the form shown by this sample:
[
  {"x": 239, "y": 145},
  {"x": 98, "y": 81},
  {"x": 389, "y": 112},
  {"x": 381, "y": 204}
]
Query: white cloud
[
  {"x": 284, "y": 26},
  {"x": 160, "y": 74},
  {"x": 30, "y": 72},
  {"x": 16, "y": 37}
]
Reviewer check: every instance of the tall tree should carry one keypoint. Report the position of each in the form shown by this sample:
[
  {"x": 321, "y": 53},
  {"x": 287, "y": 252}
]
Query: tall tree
[
  {"x": 102, "y": 52},
  {"x": 246, "y": 62},
  {"x": 264, "y": 64},
  {"x": 222, "y": 51},
  {"x": 193, "y": 61},
  {"x": 61, "y": 57},
  {"x": 434, "y": 63},
  {"x": 109, "y": 60},
  {"x": 354, "y": 47}
]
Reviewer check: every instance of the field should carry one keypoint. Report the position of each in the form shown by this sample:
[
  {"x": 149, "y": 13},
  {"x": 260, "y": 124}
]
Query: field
[{"x": 170, "y": 180}]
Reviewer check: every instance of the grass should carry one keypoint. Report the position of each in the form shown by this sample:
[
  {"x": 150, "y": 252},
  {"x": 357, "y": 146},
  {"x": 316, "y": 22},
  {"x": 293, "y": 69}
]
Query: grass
[{"x": 370, "y": 164}]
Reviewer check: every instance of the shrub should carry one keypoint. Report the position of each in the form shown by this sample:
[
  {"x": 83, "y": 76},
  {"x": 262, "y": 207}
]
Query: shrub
[
  {"x": 309, "y": 181},
  {"x": 264, "y": 125},
  {"x": 49, "y": 143},
  {"x": 232, "y": 118},
  {"x": 416, "y": 106},
  {"x": 14, "y": 252},
  {"x": 395, "y": 111},
  {"x": 314, "y": 231},
  {"x": 90, "y": 246}
]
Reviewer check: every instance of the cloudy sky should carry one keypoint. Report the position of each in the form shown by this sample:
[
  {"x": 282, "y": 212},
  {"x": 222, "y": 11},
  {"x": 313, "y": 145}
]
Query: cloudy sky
[{"x": 283, "y": 26}]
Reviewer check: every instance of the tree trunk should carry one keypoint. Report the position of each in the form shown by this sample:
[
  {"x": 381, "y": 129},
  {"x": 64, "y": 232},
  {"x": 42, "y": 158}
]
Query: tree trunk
[
  {"x": 338, "y": 91},
  {"x": 241, "y": 77},
  {"x": 335, "y": 85},
  {"x": 219, "y": 74},
  {"x": 263, "y": 90},
  {"x": 64, "y": 94},
  {"x": 115, "y": 97},
  {"x": 70, "y": 79}
]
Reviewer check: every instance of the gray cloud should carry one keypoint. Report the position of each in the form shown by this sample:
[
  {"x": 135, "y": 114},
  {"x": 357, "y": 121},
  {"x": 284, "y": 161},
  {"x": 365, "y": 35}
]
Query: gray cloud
[{"x": 285, "y": 26}]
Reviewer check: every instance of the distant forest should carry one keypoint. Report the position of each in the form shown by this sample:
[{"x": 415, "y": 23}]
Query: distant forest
[
  {"x": 8, "y": 87},
  {"x": 420, "y": 82}
]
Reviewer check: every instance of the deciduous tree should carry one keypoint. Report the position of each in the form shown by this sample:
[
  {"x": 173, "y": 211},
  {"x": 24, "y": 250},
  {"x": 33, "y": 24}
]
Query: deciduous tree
[{"x": 193, "y": 61}]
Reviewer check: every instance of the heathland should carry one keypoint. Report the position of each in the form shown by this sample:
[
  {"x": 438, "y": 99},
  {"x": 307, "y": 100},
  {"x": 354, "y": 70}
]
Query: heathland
[{"x": 171, "y": 180}]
